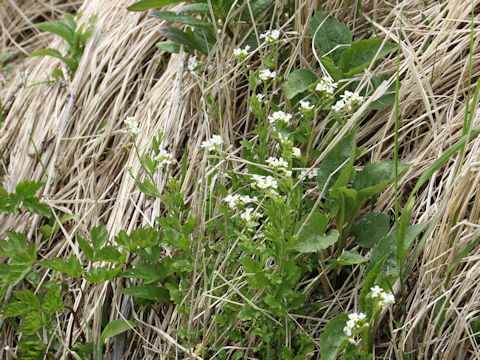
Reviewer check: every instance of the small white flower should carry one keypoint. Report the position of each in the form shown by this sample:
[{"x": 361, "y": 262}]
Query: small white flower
[
  {"x": 351, "y": 324},
  {"x": 264, "y": 182},
  {"x": 296, "y": 152},
  {"x": 347, "y": 331},
  {"x": 260, "y": 97},
  {"x": 250, "y": 215},
  {"x": 283, "y": 139},
  {"x": 376, "y": 291},
  {"x": 387, "y": 298},
  {"x": 280, "y": 116},
  {"x": 132, "y": 124},
  {"x": 164, "y": 158},
  {"x": 214, "y": 143},
  {"x": 347, "y": 102},
  {"x": 276, "y": 163},
  {"x": 327, "y": 85},
  {"x": 287, "y": 173},
  {"x": 241, "y": 54},
  {"x": 266, "y": 74},
  {"x": 271, "y": 36},
  {"x": 308, "y": 173},
  {"x": 193, "y": 63},
  {"x": 352, "y": 341},
  {"x": 305, "y": 106},
  {"x": 232, "y": 200}
]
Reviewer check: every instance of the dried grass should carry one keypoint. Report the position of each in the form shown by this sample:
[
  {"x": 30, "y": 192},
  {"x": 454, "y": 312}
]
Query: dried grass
[{"x": 78, "y": 126}]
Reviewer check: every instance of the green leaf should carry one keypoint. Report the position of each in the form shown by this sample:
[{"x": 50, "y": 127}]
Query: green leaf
[
  {"x": 249, "y": 265},
  {"x": 59, "y": 29},
  {"x": 28, "y": 298},
  {"x": 108, "y": 254},
  {"x": 200, "y": 8},
  {"x": 370, "y": 280},
  {"x": 32, "y": 204},
  {"x": 333, "y": 339},
  {"x": 145, "y": 271},
  {"x": 101, "y": 274},
  {"x": 332, "y": 70},
  {"x": 257, "y": 7},
  {"x": 99, "y": 236},
  {"x": 334, "y": 159},
  {"x": 349, "y": 258},
  {"x": 16, "y": 245},
  {"x": 69, "y": 21},
  {"x": 53, "y": 301},
  {"x": 388, "y": 246},
  {"x": 151, "y": 4},
  {"x": 116, "y": 327},
  {"x": 371, "y": 229},
  {"x": 377, "y": 173},
  {"x": 86, "y": 249},
  {"x": 148, "y": 188},
  {"x": 26, "y": 189},
  {"x": 168, "y": 46},
  {"x": 299, "y": 81},
  {"x": 149, "y": 292},
  {"x": 204, "y": 39},
  {"x": 182, "y": 19},
  {"x": 72, "y": 266},
  {"x": 359, "y": 56},
  {"x": 312, "y": 238},
  {"x": 328, "y": 34}
]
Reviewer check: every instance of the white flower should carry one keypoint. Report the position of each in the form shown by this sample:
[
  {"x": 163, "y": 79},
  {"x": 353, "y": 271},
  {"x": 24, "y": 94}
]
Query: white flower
[
  {"x": 266, "y": 74},
  {"x": 260, "y": 97},
  {"x": 287, "y": 173},
  {"x": 214, "y": 143},
  {"x": 347, "y": 331},
  {"x": 280, "y": 116},
  {"x": 132, "y": 124},
  {"x": 241, "y": 54},
  {"x": 232, "y": 200},
  {"x": 387, "y": 298},
  {"x": 351, "y": 324},
  {"x": 193, "y": 63},
  {"x": 347, "y": 102},
  {"x": 276, "y": 163},
  {"x": 308, "y": 173},
  {"x": 283, "y": 139},
  {"x": 376, "y": 291},
  {"x": 296, "y": 152},
  {"x": 250, "y": 214},
  {"x": 264, "y": 182},
  {"x": 352, "y": 341},
  {"x": 164, "y": 158},
  {"x": 305, "y": 106},
  {"x": 271, "y": 36},
  {"x": 327, "y": 85}
]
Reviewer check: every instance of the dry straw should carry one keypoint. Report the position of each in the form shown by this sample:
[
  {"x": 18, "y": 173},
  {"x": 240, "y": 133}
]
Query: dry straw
[{"x": 77, "y": 128}]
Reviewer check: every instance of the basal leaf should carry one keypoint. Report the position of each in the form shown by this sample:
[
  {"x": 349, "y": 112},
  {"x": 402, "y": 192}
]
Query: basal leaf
[
  {"x": 200, "y": 8},
  {"x": 116, "y": 327},
  {"x": 333, "y": 339},
  {"x": 361, "y": 54},
  {"x": 168, "y": 46},
  {"x": 299, "y": 81},
  {"x": 149, "y": 292},
  {"x": 375, "y": 176},
  {"x": 257, "y": 7},
  {"x": 328, "y": 34},
  {"x": 182, "y": 19},
  {"x": 204, "y": 39},
  {"x": 313, "y": 238},
  {"x": 349, "y": 258},
  {"x": 59, "y": 29},
  {"x": 151, "y": 4},
  {"x": 371, "y": 229}
]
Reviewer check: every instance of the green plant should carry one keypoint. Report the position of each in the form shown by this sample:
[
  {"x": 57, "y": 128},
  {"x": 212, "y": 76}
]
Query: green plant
[{"x": 76, "y": 38}]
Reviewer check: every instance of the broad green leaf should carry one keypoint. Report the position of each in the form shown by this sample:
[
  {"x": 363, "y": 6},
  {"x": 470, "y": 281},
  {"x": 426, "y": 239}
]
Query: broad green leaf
[
  {"x": 53, "y": 300},
  {"x": 371, "y": 229},
  {"x": 249, "y": 265},
  {"x": 204, "y": 39},
  {"x": 168, "y": 46},
  {"x": 86, "y": 249},
  {"x": 32, "y": 204},
  {"x": 99, "y": 236},
  {"x": 334, "y": 160},
  {"x": 349, "y": 258},
  {"x": 151, "y": 4},
  {"x": 59, "y": 29},
  {"x": 108, "y": 254},
  {"x": 16, "y": 244},
  {"x": 332, "y": 69},
  {"x": 182, "y": 19},
  {"x": 148, "y": 188},
  {"x": 361, "y": 54},
  {"x": 144, "y": 271},
  {"x": 388, "y": 246},
  {"x": 72, "y": 266},
  {"x": 200, "y": 8},
  {"x": 149, "y": 292},
  {"x": 116, "y": 327},
  {"x": 257, "y": 7},
  {"x": 333, "y": 339},
  {"x": 69, "y": 21},
  {"x": 377, "y": 173},
  {"x": 329, "y": 34},
  {"x": 310, "y": 241},
  {"x": 27, "y": 189},
  {"x": 299, "y": 81}
]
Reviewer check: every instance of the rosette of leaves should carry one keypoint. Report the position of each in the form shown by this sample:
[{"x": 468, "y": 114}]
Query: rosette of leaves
[{"x": 200, "y": 16}]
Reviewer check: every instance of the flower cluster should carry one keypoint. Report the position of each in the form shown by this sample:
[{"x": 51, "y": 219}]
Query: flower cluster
[
  {"x": 385, "y": 297},
  {"x": 283, "y": 139},
  {"x": 280, "y": 117},
  {"x": 214, "y": 143},
  {"x": 267, "y": 74},
  {"x": 271, "y": 36},
  {"x": 193, "y": 63},
  {"x": 355, "y": 322},
  {"x": 296, "y": 152},
  {"x": 327, "y": 85},
  {"x": 260, "y": 97},
  {"x": 132, "y": 124},
  {"x": 250, "y": 215},
  {"x": 241, "y": 54},
  {"x": 164, "y": 158},
  {"x": 235, "y": 200},
  {"x": 279, "y": 164},
  {"x": 347, "y": 102},
  {"x": 265, "y": 183},
  {"x": 308, "y": 173},
  {"x": 305, "y": 107}
]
